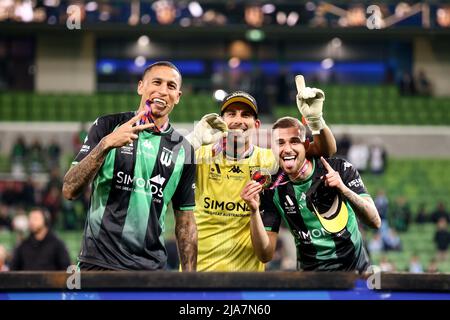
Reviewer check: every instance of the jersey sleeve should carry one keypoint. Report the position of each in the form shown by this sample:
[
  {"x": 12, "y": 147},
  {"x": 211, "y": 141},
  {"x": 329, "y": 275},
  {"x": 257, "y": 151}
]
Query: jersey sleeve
[
  {"x": 269, "y": 214},
  {"x": 184, "y": 196},
  {"x": 96, "y": 133},
  {"x": 352, "y": 179}
]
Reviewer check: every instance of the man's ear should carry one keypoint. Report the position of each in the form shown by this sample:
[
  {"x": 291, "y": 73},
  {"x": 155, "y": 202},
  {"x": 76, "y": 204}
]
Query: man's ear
[
  {"x": 257, "y": 123},
  {"x": 140, "y": 88},
  {"x": 306, "y": 144},
  {"x": 179, "y": 96}
]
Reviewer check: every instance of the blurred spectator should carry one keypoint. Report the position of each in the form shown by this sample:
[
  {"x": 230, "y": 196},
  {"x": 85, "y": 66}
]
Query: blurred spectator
[
  {"x": 5, "y": 218},
  {"x": 358, "y": 155},
  {"x": 407, "y": 86},
  {"x": 343, "y": 146},
  {"x": 78, "y": 138},
  {"x": 9, "y": 196},
  {"x": 36, "y": 157},
  {"x": 422, "y": 215},
  {"x": 392, "y": 241},
  {"x": 433, "y": 266},
  {"x": 53, "y": 202},
  {"x": 28, "y": 195},
  {"x": 378, "y": 157},
  {"x": 415, "y": 266},
  {"x": 19, "y": 150},
  {"x": 376, "y": 243},
  {"x": 439, "y": 213},
  {"x": 382, "y": 204},
  {"x": 3, "y": 259},
  {"x": 386, "y": 265},
  {"x": 53, "y": 153},
  {"x": 423, "y": 84},
  {"x": 401, "y": 214},
  {"x": 42, "y": 250},
  {"x": 442, "y": 238},
  {"x": 54, "y": 180},
  {"x": 18, "y": 157}
]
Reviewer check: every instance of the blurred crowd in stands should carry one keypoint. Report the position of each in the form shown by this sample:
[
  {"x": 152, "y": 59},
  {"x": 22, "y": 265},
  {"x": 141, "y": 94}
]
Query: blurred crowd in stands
[{"x": 419, "y": 85}]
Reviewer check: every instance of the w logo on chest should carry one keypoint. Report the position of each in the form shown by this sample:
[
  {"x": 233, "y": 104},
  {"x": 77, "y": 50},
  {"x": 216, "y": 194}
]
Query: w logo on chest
[{"x": 166, "y": 157}]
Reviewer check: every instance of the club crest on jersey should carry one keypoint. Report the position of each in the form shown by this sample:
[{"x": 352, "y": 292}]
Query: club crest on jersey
[{"x": 166, "y": 157}]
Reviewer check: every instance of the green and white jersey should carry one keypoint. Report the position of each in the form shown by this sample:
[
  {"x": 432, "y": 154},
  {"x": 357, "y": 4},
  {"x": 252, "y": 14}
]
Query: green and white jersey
[
  {"x": 317, "y": 249},
  {"x": 130, "y": 195}
]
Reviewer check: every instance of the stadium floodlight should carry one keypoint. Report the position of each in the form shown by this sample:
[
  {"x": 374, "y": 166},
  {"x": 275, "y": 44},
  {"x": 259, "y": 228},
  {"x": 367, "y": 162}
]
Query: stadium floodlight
[
  {"x": 234, "y": 62},
  {"x": 292, "y": 19},
  {"x": 91, "y": 6},
  {"x": 195, "y": 9},
  {"x": 327, "y": 63},
  {"x": 336, "y": 43},
  {"x": 140, "y": 61},
  {"x": 220, "y": 94},
  {"x": 143, "y": 41},
  {"x": 268, "y": 8}
]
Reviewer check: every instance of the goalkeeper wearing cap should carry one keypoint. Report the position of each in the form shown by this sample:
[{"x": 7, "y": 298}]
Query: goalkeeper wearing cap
[{"x": 226, "y": 159}]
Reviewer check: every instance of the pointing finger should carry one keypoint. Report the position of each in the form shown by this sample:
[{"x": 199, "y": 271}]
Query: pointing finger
[
  {"x": 300, "y": 83},
  {"x": 326, "y": 165}
]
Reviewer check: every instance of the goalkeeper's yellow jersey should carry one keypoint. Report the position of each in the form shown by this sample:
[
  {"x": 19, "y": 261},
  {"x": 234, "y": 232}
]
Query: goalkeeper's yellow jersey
[{"x": 223, "y": 218}]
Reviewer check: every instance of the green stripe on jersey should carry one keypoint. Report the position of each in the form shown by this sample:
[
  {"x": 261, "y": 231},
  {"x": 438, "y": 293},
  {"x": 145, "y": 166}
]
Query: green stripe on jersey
[
  {"x": 100, "y": 194},
  {"x": 141, "y": 198},
  {"x": 171, "y": 186}
]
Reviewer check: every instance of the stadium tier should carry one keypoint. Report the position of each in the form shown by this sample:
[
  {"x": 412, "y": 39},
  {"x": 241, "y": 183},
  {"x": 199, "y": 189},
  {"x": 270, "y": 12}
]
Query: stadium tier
[{"x": 349, "y": 104}]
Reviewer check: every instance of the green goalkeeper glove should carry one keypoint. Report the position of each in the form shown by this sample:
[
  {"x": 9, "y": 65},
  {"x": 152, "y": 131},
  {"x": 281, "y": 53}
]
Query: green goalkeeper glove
[
  {"x": 207, "y": 131},
  {"x": 310, "y": 104}
]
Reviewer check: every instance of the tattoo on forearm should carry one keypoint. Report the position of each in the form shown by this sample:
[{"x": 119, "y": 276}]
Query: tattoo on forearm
[
  {"x": 186, "y": 233},
  {"x": 79, "y": 176},
  {"x": 362, "y": 207}
]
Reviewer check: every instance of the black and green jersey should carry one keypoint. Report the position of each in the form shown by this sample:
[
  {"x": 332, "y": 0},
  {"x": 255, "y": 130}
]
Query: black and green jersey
[
  {"x": 317, "y": 249},
  {"x": 130, "y": 194}
]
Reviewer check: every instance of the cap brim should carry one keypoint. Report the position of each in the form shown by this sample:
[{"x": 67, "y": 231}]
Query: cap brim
[
  {"x": 334, "y": 220},
  {"x": 239, "y": 99}
]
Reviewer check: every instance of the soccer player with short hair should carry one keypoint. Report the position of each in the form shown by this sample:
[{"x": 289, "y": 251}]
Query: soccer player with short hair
[
  {"x": 224, "y": 166},
  {"x": 137, "y": 163},
  {"x": 319, "y": 200}
]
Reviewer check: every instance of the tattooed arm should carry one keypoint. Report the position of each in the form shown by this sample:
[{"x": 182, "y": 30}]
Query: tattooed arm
[
  {"x": 79, "y": 176},
  {"x": 364, "y": 206},
  {"x": 186, "y": 233}
]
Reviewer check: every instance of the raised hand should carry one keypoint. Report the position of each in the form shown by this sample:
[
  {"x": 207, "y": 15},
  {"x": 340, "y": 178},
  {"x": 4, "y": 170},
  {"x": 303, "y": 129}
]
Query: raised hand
[
  {"x": 332, "y": 178},
  {"x": 208, "y": 130},
  {"x": 250, "y": 194},
  {"x": 310, "y": 104},
  {"x": 127, "y": 132}
]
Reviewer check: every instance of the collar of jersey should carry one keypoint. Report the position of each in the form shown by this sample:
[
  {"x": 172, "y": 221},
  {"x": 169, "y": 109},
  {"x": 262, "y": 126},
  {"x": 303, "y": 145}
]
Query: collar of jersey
[
  {"x": 313, "y": 161},
  {"x": 246, "y": 156},
  {"x": 162, "y": 133}
]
